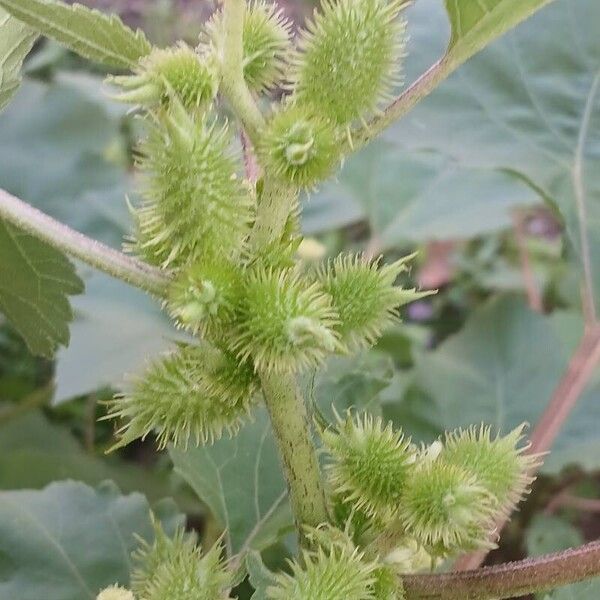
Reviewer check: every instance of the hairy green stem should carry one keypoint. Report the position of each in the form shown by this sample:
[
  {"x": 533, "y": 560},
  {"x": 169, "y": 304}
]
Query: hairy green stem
[
  {"x": 275, "y": 204},
  {"x": 509, "y": 580},
  {"x": 96, "y": 254},
  {"x": 233, "y": 84},
  {"x": 421, "y": 88},
  {"x": 292, "y": 430}
]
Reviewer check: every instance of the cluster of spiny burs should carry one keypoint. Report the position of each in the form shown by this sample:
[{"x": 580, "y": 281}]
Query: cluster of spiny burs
[{"x": 255, "y": 308}]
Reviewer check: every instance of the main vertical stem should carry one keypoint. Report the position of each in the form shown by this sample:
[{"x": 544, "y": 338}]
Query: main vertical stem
[
  {"x": 233, "y": 84},
  {"x": 292, "y": 431}
]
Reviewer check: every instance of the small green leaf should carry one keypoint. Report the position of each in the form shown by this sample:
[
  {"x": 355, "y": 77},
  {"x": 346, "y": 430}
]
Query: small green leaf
[
  {"x": 259, "y": 575},
  {"x": 69, "y": 541},
  {"x": 88, "y": 32},
  {"x": 35, "y": 280},
  {"x": 476, "y": 24},
  {"x": 240, "y": 480},
  {"x": 16, "y": 40}
]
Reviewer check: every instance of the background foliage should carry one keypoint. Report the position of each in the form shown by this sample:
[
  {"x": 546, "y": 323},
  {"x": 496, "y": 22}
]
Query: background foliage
[{"x": 497, "y": 165}]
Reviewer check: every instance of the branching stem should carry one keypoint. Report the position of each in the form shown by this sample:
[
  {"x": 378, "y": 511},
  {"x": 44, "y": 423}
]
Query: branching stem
[
  {"x": 509, "y": 580},
  {"x": 91, "y": 252},
  {"x": 233, "y": 84},
  {"x": 405, "y": 102}
]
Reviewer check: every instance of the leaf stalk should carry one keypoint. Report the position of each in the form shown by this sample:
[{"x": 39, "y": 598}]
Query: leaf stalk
[{"x": 77, "y": 245}]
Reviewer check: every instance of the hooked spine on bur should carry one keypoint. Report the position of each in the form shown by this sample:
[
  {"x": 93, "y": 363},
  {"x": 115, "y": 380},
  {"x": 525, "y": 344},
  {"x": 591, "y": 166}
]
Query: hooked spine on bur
[
  {"x": 446, "y": 509},
  {"x": 285, "y": 323},
  {"x": 336, "y": 572},
  {"x": 365, "y": 297},
  {"x": 203, "y": 297},
  {"x": 196, "y": 393},
  {"x": 349, "y": 57},
  {"x": 299, "y": 146},
  {"x": 178, "y": 72},
  {"x": 195, "y": 205},
  {"x": 502, "y": 464},
  {"x": 176, "y": 568},
  {"x": 369, "y": 464}
]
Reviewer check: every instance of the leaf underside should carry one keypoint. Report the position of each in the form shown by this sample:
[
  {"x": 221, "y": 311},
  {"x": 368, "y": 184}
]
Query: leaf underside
[
  {"x": 35, "y": 281},
  {"x": 16, "y": 40},
  {"x": 88, "y": 32}
]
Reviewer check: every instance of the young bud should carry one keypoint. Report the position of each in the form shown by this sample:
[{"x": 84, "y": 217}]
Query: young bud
[
  {"x": 194, "y": 203},
  {"x": 174, "y": 72},
  {"x": 285, "y": 323},
  {"x": 365, "y": 296},
  {"x": 349, "y": 57},
  {"x": 370, "y": 464},
  {"x": 196, "y": 393},
  {"x": 176, "y": 569},
  {"x": 266, "y": 43},
  {"x": 327, "y": 574},
  {"x": 445, "y": 508},
  {"x": 114, "y": 592},
  {"x": 409, "y": 557},
  {"x": 204, "y": 295},
  {"x": 498, "y": 463},
  {"x": 298, "y": 146}
]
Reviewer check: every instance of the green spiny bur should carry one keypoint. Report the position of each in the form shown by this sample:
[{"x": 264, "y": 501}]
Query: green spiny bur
[
  {"x": 194, "y": 203},
  {"x": 285, "y": 322},
  {"x": 194, "y": 394},
  {"x": 365, "y": 297},
  {"x": 298, "y": 146},
  {"x": 349, "y": 56},
  {"x": 178, "y": 72},
  {"x": 370, "y": 464},
  {"x": 204, "y": 296},
  {"x": 177, "y": 569},
  {"x": 499, "y": 464},
  {"x": 327, "y": 574},
  {"x": 266, "y": 43},
  {"x": 446, "y": 509}
]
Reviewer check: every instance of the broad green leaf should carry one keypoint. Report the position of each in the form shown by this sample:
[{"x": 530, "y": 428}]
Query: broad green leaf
[
  {"x": 54, "y": 144},
  {"x": 16, "y": 40},
  {"x": 35, "y": 451},
  {"x": 410, "y": 195},
  {"x": 89, "y": 32},
  {"x": 69, "y": 541},
  {"x": 60, "y": 149},
  {"x": 35, "y": 282},
  {"x": 502, "y": 369},
  {"x": 116, "y": 331},
  {"x": 528, "y": 105},
  {"x": 419, "y": 198},
  {"x": 552, "y": 534},
  {"x": 240, "y": 480},
  {"x": 475, "y": 23},
  {"x": 351, "y": 383}
]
